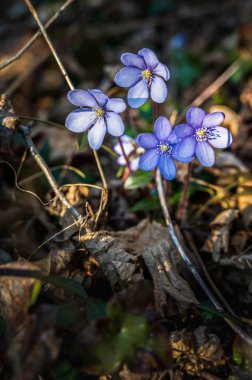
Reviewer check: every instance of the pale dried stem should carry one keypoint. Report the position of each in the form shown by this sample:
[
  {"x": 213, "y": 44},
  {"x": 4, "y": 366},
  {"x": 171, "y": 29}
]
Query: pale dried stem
[
  {"x": 71, "y": 86},
  {"x": 188, "y": 262},
  {"x": 35, "y": 36},
  {"x": 47, "y": 172},
  {"x": 213, "y": 87}
]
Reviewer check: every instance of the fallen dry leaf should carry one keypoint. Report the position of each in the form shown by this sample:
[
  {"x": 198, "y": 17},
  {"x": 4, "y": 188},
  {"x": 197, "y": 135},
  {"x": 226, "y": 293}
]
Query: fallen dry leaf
[
  {"x": 244, "y": 192},
  {"x": 230, "y": 163},
  {"x": 119, "y": 255},
  {"x": 16, "y": 292},
  {"x": 34, "y": 345},
  {"x": 218, "y": 241},
  {"x": 197, "y": 351}
]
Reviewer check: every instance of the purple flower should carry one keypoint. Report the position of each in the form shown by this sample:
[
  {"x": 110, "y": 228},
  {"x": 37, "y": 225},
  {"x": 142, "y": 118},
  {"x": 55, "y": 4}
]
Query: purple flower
[
  {"x": 98, "y": 115},
  {"x": 145, "y": 76},
  {"x": 161, "y": 149},
  {"x": 131, "y": 150},
  {"x": 201, "y": 134}
]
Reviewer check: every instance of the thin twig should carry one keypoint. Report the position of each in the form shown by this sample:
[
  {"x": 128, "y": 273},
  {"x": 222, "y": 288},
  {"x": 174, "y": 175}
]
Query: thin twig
[
  {"x": 124, "y": 154},
  {"x": 35, "y": 36},
  {"x": 61, "y": 126},
  {"x": 49, "y": 43},
  {"x": 43, "y": 166},
  {"x": 188, "y": 262},
  {"x": 52, "y": 169},
  {"x": 183, "y": 201},
  {"x": 23, "y": 190},
  {"x": 223, "y": 78},
  {"x": 104, "y": 194},
  {"x": 213, "y": 87},
  {"x": 38, "y": 119},
  {"x": 207, "y": 275},
  {"x": 17, "y": 82}
]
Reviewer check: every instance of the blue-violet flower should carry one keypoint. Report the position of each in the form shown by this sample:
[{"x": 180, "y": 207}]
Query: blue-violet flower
[
  {"x": 145, "y": 76},
  {"x": 132, "y": 151},
  {"x": 98, "y": 115},
  {"x": 161, "y": 149},
  {"x": 201, "y": 133}
]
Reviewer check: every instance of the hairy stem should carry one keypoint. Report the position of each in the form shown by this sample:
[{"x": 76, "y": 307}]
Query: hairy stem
[
  {"x": 188, "y": 262},
  {"x": 183, "y": 202},
  {"x": 47, "y": 172}
]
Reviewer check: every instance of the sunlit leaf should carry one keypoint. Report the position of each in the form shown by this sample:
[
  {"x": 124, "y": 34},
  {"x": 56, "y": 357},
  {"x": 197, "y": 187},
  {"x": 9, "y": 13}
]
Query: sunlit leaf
[{"x": 137, "y": 180}]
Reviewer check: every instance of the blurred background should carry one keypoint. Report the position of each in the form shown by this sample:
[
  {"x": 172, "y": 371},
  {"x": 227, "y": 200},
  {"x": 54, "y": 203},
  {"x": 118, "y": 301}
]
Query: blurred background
[
  {"x": 207, "y": 46},
  {"x": 198, "y": 40}
]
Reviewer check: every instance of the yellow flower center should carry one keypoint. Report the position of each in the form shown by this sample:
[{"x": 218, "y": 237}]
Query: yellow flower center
[
  {"x": 146, "y": 74},
  {"x": 99, "y": 112},
  {"x": 200, "y": 133},
  {"x": 164, "y": 148}
]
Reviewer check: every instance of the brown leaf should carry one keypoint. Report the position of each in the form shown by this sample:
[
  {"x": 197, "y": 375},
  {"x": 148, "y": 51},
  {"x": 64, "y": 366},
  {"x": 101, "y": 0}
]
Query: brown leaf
[
  {"x": 120, "y": 255},
  {"x": 16, "y": 292},
  {"x": 230, "y": 163},
  {"x": 218, "y": 240},
  {"x": 34, "y": 344},
  {"x": 245, "y": 199},
  {"x": 197, "y": 351}
]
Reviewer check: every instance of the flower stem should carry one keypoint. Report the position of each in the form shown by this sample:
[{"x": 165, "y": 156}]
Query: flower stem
[
  {"x": 188, "y": 262},
  {"x": 124, "y": 154},
  {"x": 67, "y": 78},
  {"x": 183, "y": 200}
]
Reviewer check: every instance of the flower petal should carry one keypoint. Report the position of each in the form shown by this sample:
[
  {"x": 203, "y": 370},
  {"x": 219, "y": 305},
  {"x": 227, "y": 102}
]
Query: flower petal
[
  {"x": 81, "y": 98},
  {"x": 187, "y": 147},
  {"x": 183, "y": 130},
  {"x": 100, "y": 97},
  {"x": 114, "y": 124},
  {"x": 149, "y": 160},
  {"x": 127, "y": 145},
  {"x": 147, "y": 140},
  {"x": 205, "y": 153},
  {"x": 129, "y": 59},
  {"x": 213, "y": 119},
  {"x": 121, "y": 161},
  {"x": 80, "y": 120},
  {"x": 134, "y": 164},
  {"x": 222, "y": 138},
  {"x": 150, "y": 57},
  {"x": 176, "y": 156},
  {"x": 167, "y": 167},
  {"x": 138, "y": 94},
  {"x": 96, "y": 134},
  {"x": 127, "y": 77},
  {"x": 173, "y": 139},
  {"x": 116, "y": 105},
  {"x": 195, "y": 116},
  {"x": 162, "y": 128},
  {"x": 158, "y": 90},
  {"x": 162, "y": 70}
]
